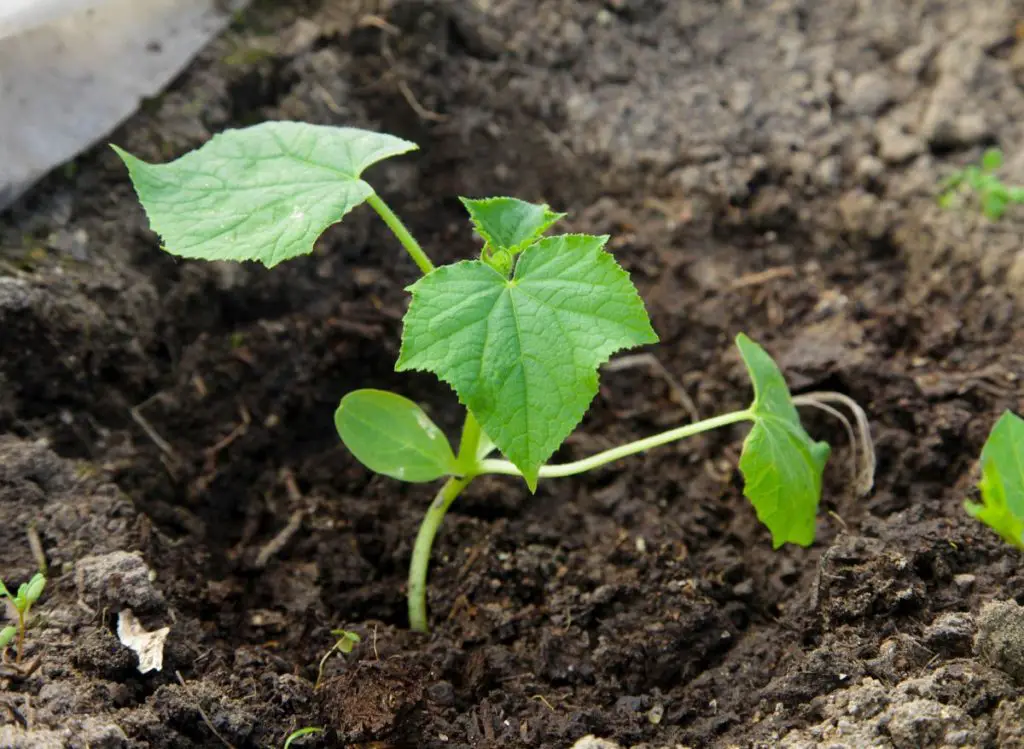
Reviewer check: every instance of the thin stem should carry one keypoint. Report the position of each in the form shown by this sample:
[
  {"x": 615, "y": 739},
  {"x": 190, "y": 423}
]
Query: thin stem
[
  {"x": 402, "y": 234},
  {"x": 505, "y": 468},
  {"x": 21, "y": 638},
  {"x": 421, "y": 551}
]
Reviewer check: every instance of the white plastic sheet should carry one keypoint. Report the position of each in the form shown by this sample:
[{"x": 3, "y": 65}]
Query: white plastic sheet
[{"x": 72, "y": 70}]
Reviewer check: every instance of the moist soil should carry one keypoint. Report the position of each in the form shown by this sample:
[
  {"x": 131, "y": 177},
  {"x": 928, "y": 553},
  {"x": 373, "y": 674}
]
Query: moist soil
[{"x": 764, "y": 167}]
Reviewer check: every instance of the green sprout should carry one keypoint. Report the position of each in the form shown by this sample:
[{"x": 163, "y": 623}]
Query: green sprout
[
  {"x": 344, "y": 644},
  {"x": 1002, "y": 481},
  {"x": 296, "y": 735},
  {"x": 21, "y": 603},
  {"x": 992, "y": 194},
  {"x": 519, "y": 333}
]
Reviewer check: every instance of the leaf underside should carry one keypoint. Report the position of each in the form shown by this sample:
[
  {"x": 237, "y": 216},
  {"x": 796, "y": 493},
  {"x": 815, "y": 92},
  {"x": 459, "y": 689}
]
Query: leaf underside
[
  {"x": 1002, "y": 480},
  {"x": 263, "y": 193},
  {"x": 393, "y": 436},
  {"x": 781, "y": 465},
  {"x": 522, "y": 353}
]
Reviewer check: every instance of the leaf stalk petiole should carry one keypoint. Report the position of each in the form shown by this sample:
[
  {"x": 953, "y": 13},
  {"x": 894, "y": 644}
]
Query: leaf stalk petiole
[{"x": 505, "y": 468}]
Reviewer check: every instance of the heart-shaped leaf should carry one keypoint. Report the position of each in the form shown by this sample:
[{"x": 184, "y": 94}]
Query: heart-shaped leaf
[
  {"x": 781, "y": 465},
  {"x": 262, "y": 193}
]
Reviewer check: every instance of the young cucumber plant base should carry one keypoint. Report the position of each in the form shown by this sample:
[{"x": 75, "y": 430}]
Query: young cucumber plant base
[{"x": 519, "y": 333}]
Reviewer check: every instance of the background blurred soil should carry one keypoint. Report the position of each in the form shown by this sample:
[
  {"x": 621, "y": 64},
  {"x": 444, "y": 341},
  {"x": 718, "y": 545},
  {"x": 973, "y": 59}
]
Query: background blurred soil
[{"x": 765, "y": 167}]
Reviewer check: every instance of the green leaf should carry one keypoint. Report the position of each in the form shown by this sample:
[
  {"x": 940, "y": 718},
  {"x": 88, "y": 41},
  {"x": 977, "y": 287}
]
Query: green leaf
[
  {"x": 7, "y": 636},
  {"x": 391, "y": 435},
  {"x": 260, "y": 193},
  {"x": 35, "y": 587},
  {"x": 1002, "y": 480},
  {"x": 509, "y": 223},
  {"x": 522, "y": 353},
  {"x": 781, "y": 464},
  {"x": 296, "y": 735},
  {"x": 993, "y": 204},
  {"x": 992, "y": 159}
]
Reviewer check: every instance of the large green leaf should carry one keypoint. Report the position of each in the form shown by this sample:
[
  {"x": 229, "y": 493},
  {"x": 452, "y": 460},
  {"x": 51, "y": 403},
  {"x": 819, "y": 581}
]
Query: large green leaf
[
  {"x": 522, "y": 353},
  {"x": 1002, "y": 480},
  {"x": 392, "y": 435},
  {"x": 509, "y": 223},
  {"x": 781, "y": 465},
  {"x": 260, "y": 193}
]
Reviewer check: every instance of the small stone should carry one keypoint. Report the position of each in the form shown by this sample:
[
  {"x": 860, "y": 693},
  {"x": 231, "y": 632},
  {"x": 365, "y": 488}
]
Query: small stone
[
  {"x": 869, "y": 94},
  {"x": 118, "y": 578},
  {"x": 1000, "y": 638},
  {"x": 896, "y": 146},
  {"x": 442, "y": 693},
  {"x": 951, "y": 633},
  {"x": 964, "y": 581},
  {"x": 870, "y": 167},
  {"x": 920, "y": 723},
  {"x": 592, "y": 742}
]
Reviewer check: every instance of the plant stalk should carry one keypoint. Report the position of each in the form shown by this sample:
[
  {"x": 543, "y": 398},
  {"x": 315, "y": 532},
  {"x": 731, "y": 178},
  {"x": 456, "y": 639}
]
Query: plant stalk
[
  {"x": 421, "y": 551},
  {"x": 21, "y": 638},
  {"x": 401, "y": 233},
  {"x": 506, "y": 468}
]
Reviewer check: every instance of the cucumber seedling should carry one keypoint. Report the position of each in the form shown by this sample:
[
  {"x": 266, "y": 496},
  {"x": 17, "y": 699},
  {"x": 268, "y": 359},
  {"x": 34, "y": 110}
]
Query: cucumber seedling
[
  {"x": 1002, "y": 481},
  {"x": 991, "y": 193},
  {"x": 519, "y": 332},
  {"x": 20, "y": 604}
]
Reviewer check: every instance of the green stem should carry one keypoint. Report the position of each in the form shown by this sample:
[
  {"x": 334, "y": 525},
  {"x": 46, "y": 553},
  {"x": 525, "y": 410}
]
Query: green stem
[
  {"x": 398, "y": 229},
  {"x": 21, "y": 638},
  {"x": 421, "y": 551},
  {"x": 505, "y": 468}
]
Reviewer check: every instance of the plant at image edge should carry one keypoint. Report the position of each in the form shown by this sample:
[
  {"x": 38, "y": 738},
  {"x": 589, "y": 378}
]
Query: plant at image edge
[
  {"x": 993, "y": 195},
  {"x": 21, "y": 604},
  {"x": 1002, "y": 480},
  {"x": 519, "y": 332}
]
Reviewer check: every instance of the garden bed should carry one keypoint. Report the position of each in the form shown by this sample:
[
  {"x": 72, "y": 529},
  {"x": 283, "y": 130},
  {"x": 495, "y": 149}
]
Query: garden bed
[{"x": 767, "y": 169}]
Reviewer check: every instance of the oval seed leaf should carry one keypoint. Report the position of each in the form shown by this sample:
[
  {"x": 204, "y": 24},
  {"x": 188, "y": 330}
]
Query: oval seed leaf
[
  {"x": 509, "y": 223},
  {"x": 522, "y": 353},
  {"x": 35, "y": 587},
  {"x": 992, "y": 159},
  {"x": 780, "y": 463},
  {"x": 392, "y": 435},
  {"x": 260, "y": 193},
  {"x": 6, "y": 636},
  {"x": 296, "y": 735},
  {"x": 1002, "y": 481}
]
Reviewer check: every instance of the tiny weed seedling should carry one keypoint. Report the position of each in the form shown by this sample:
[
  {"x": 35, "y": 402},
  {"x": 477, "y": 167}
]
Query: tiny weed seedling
[
  {"x": 300, "y": 733},
  {"x": 20, "y": 604},
  {"x": 1002, "y": 481},
  {"x": 992, "y": 195},
  {"x": 519, "y": 332},
  {"x": 344, "y": 644}
]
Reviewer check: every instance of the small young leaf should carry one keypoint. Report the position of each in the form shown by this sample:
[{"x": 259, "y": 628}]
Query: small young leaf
[
  {"x": 259, "y": 193},
  {"x": 509, "y": 223},
  {"x": 992, "y": 159},
  {"x": 993, "y": 204},
  {"x": 7, "y": 636},
  {"x": 391, "y": 435},
  {"x": 522, "y": 353},
  {"x": 35, "y": 587},
  {"x": 1002, "y": 480},
  {"x": 21, "y": 601},
  {"x": 296, "y": 735},
  {"x": 781, "y": 464}
]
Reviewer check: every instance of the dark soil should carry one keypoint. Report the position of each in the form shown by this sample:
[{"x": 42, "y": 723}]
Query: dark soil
[{"x": 765, "y": 167}]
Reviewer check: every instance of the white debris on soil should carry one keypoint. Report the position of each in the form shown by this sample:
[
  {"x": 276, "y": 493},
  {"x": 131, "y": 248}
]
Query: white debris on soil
[{"x": 149, "y": 646}]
